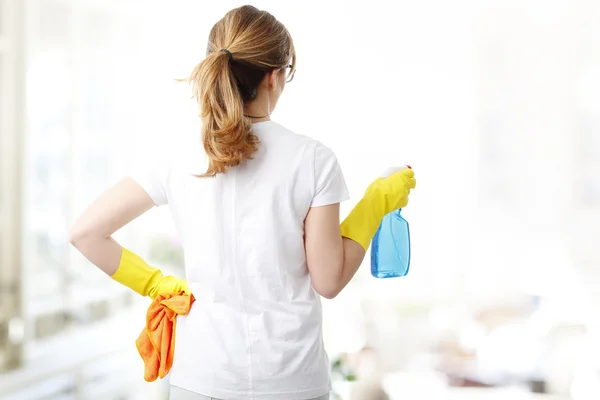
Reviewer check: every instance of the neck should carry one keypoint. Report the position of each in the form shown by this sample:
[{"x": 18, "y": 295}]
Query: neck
[
  {"x": 254, "y": 118},
  {"x": 259, "y": 109}
]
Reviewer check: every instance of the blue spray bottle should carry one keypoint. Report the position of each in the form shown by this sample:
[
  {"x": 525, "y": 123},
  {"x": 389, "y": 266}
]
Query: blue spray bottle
[{"x": 390, "y": 247}]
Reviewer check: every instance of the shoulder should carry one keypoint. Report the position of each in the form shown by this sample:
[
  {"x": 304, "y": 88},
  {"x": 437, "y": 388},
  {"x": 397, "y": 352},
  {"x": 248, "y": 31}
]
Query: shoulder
[
  {"x": 301, "y": 141},
  {"x": 184, "y": 160}
]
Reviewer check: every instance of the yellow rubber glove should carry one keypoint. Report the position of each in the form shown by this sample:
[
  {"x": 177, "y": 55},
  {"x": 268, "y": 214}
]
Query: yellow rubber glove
[
  {"x": 382, "y": 196},
  {"x": 137, "y": 275}
]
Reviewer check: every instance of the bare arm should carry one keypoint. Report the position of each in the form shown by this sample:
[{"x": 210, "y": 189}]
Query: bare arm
[
  {"x": 91, "y": 233},
  {"x": 332, "y": 260}
]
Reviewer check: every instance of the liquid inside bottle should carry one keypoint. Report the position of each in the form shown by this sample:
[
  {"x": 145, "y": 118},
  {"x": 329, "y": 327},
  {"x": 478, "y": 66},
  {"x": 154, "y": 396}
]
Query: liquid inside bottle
[{"x": 390, "y": 248}]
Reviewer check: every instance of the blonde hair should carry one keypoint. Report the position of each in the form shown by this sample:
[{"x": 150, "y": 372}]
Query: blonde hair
[{"x": 243, "y": 47}]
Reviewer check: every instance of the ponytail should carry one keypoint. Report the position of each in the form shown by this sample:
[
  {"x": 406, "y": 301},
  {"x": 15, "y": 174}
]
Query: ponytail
[
  {"x": 226, "y": 133},
  {"x": 227, "y": 80}
]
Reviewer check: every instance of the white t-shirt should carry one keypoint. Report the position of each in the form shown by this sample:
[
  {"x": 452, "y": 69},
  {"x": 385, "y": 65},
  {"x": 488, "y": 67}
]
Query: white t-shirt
[{"x": 255, "y": 330}]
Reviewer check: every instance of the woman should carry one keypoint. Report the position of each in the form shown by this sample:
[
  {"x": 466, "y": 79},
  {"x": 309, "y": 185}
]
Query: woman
[{"x": 259, "y": 224}]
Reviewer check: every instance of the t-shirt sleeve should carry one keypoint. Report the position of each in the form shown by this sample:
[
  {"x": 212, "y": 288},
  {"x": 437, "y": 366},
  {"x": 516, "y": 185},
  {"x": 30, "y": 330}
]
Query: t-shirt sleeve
[
  {"x": 154, "y": 180},
  {"x": 330, "y": 185}
]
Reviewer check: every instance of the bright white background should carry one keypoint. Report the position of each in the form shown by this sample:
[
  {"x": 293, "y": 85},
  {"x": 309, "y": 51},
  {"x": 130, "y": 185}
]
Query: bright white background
[{"x": 495, "y": 104}]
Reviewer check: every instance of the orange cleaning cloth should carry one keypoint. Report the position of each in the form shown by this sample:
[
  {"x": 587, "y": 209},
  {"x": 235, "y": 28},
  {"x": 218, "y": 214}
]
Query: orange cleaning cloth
[{"x": 156, "y": 343}]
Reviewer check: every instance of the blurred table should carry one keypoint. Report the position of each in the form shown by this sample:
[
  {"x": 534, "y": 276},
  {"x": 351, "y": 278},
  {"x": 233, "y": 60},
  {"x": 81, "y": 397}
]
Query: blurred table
[
  {"x": 496, "y": 394},
  {"x": 428, "y": 386}
]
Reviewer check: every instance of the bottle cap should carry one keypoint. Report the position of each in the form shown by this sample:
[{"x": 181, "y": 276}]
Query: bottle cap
[{"x": 392, "y": 170}]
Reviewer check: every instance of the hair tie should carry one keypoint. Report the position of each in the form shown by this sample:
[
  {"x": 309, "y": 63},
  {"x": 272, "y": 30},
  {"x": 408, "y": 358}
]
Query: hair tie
[{"x": 228, "y": 54}]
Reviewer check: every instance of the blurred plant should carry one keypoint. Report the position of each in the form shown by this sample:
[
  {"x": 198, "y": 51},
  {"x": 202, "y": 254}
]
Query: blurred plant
[{"x": 341, "y": 370}]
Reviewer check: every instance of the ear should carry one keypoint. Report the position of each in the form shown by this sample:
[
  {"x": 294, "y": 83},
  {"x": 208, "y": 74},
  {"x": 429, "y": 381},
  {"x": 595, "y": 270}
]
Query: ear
[{"x": 272, "y": 79}]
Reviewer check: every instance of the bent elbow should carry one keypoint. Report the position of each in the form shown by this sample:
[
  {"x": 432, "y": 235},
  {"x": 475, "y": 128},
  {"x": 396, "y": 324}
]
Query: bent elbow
[
  {"x": 330, "y": 295},
  {"x": 76, "y": 235},
  {"x": 328, "y": 292}
]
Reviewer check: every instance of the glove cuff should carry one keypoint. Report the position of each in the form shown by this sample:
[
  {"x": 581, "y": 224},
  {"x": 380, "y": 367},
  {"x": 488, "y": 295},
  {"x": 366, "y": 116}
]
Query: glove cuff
[{"x": 136, "y": 274}]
